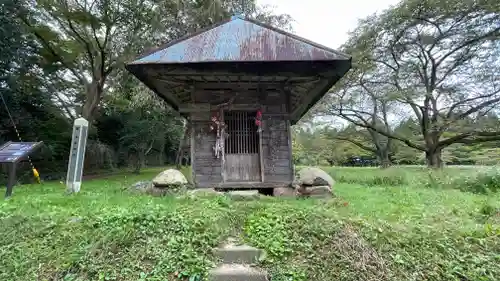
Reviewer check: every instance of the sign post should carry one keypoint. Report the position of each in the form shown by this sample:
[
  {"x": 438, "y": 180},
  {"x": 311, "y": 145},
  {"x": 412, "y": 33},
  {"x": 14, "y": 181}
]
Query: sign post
[
  {"x": 77, "y": 155},
  {"x": 11, "y": 153}
]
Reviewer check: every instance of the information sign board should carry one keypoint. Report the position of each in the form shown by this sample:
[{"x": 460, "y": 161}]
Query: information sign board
[{"x": 11, "y": 153}]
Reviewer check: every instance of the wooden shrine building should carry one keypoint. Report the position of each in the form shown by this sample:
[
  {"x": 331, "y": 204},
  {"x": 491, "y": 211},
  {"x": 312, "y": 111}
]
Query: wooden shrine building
[{"x": 241, "y": 84}]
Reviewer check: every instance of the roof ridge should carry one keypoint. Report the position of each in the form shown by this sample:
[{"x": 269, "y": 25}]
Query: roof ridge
[
  {"x": 243, "y": 18},
  {"x": 296, "y": 37},
  {"x": 180, "y": 39}
]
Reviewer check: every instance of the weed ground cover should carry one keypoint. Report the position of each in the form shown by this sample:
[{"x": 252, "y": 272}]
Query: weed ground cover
[{"x": 398, "y": 224}]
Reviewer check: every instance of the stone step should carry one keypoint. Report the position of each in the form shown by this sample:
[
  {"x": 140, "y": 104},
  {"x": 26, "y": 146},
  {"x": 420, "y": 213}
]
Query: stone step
[
  {"x": 243, "y": 195},
  {"x": 237, "y": 272},
  {"x": 243, "y": 254}
]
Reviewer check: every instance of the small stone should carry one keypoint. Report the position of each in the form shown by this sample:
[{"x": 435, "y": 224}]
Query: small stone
[
  {"x": 244, "y": 194},
  {"x": 284, "y": 192},
  {"x": 204, "y": 191},
  {"x": 243, "y": 254},
  {"x": 231, "y": 241},
  {"x": 169, "y": 178},
  {"x": 235, "y": 272},
  {"x": 317, "y": 191},
  {"x": 75, "y": 219},
  {"x": 321, "y": 191},
  {"x": 141, "y": 185},
  {"x": 157, "y": 192}
]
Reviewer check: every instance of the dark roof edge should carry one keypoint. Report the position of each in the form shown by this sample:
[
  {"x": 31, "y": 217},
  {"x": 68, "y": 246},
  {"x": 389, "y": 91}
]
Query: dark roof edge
[
  {"x": 133, "y": 70},
  {"x": 324, "y": 91}
]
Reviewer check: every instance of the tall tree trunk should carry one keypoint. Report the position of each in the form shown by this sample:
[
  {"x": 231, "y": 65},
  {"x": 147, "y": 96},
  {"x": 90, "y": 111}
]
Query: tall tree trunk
[
  {"x": 93, "y": 96},
  {"x": 140, "y": 160},
  {"x": 433, "y": 152},
  {"x": 434, "y": 158},
  {"x": 383, "y": 158}
]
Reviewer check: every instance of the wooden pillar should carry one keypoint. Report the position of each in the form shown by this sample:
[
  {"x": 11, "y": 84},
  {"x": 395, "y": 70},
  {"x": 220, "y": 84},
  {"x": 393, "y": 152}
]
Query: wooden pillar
[
  {"x": 288, "y": 98},
  {"x": 192, "y": 133},
  {"x": 261, "y": 154},
  {"x": 223, "y": 156}
]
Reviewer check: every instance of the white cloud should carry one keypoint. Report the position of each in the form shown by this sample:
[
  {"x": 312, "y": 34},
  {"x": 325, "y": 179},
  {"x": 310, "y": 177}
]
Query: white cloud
[{"x": 327, "y": 21}]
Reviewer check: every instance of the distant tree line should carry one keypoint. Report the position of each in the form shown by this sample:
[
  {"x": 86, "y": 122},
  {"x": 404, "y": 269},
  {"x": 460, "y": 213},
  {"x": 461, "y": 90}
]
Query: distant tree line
[{"x": 426, "y": 77}]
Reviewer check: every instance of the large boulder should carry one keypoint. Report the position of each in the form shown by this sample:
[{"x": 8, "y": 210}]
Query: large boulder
[
  {"x": 311, "y": 176},
  {"x": 170, "y": 178},
  {"x": 314, "y": 182}
]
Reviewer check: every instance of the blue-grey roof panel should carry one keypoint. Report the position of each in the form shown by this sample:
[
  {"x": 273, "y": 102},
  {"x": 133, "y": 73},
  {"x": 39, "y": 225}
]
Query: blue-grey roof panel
[{"x": 240, "y": 40}]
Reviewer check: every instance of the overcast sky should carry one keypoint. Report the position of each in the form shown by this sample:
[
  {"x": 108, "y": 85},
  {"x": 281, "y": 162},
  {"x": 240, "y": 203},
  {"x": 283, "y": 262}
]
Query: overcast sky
[{"x": 326, "y": 21}]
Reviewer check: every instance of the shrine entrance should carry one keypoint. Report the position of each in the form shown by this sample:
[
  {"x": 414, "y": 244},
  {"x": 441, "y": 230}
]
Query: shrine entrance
[
  {"x": 223, "y": 79},
  {"x": 242, "y": 147}
]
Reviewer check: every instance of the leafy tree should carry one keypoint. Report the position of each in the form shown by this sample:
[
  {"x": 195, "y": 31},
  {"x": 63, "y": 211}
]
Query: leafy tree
[
  {"x": 370, "y": 141},
  {"x": 319, "y": 145},
  {"x": 26, "y": 94},
  {"x": 64, "y": 58},
  {"x": 87, "y": 42},
  {"x": 140, "y": 122},
  {"x": 439, "y": 59}
]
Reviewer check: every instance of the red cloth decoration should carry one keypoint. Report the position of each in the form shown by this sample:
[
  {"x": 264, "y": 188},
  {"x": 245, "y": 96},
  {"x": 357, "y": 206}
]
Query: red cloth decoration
[
  {"x": 215, "y": 120},
  {"x": 258, "y": 118}
]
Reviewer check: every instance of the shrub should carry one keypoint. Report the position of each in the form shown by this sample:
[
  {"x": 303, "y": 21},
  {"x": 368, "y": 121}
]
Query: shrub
[
  {"x": 482, "y": 182},
  {"x": 370, "y": 176}
]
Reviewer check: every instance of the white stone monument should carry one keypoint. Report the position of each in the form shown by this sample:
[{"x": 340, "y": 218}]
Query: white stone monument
[{"x": 77, "y": 155}]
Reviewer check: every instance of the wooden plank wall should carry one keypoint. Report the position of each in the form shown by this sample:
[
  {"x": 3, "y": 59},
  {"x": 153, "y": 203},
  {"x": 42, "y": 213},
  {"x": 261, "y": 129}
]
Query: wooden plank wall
[
  {"x": 276, "y": 150},
  {"x": 206, "y": 167},
  {"x": 275, "y": 139},
  {"x": 275, "y": 144}
]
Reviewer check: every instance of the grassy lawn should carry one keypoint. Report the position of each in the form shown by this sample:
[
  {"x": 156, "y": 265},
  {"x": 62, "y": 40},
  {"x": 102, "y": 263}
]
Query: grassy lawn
[{"x": 399, "y": 224}]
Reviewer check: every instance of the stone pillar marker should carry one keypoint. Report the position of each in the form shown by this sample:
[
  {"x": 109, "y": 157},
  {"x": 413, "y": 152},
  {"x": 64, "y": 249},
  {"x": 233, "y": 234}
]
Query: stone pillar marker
[{"x": 77, "y": 155}]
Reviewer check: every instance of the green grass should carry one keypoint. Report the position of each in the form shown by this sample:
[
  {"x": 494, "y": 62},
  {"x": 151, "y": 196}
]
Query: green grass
[{"x": 397, "y": 224}]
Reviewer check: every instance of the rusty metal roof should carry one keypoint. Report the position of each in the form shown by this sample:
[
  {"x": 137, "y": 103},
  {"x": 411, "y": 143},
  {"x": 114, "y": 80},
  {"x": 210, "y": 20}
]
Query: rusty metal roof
[
  {"x": 240, "y": 40},
  {"x": 241, "y": 51}
]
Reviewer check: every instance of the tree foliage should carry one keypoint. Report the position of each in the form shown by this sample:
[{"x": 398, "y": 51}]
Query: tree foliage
[
  {"x": 434, "y": 60},
  {"x": 62, "y": 59}
]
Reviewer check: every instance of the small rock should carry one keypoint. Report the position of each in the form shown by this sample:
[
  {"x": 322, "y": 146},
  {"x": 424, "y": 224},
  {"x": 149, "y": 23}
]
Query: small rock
[
  {"x": 243, "y": 254},
  {"x": 244, "y": 194},
  {"x": 141, "y": 185},
  {"x": 204, "y": 191},
  {"x": 319, "y": 191},
  {"x": 232, "y": 241},
  {"x": 233, "y": 272},
  {"x": 169, "y": 178},
  {"x": 158, "y": 192},
  {"x": 75, "y": 219},
  {"x": 284, "y": 192}
]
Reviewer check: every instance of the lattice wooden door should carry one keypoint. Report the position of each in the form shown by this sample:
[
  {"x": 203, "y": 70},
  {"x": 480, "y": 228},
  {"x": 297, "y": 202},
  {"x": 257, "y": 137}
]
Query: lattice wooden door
[{"x": 242, "y": 161}]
